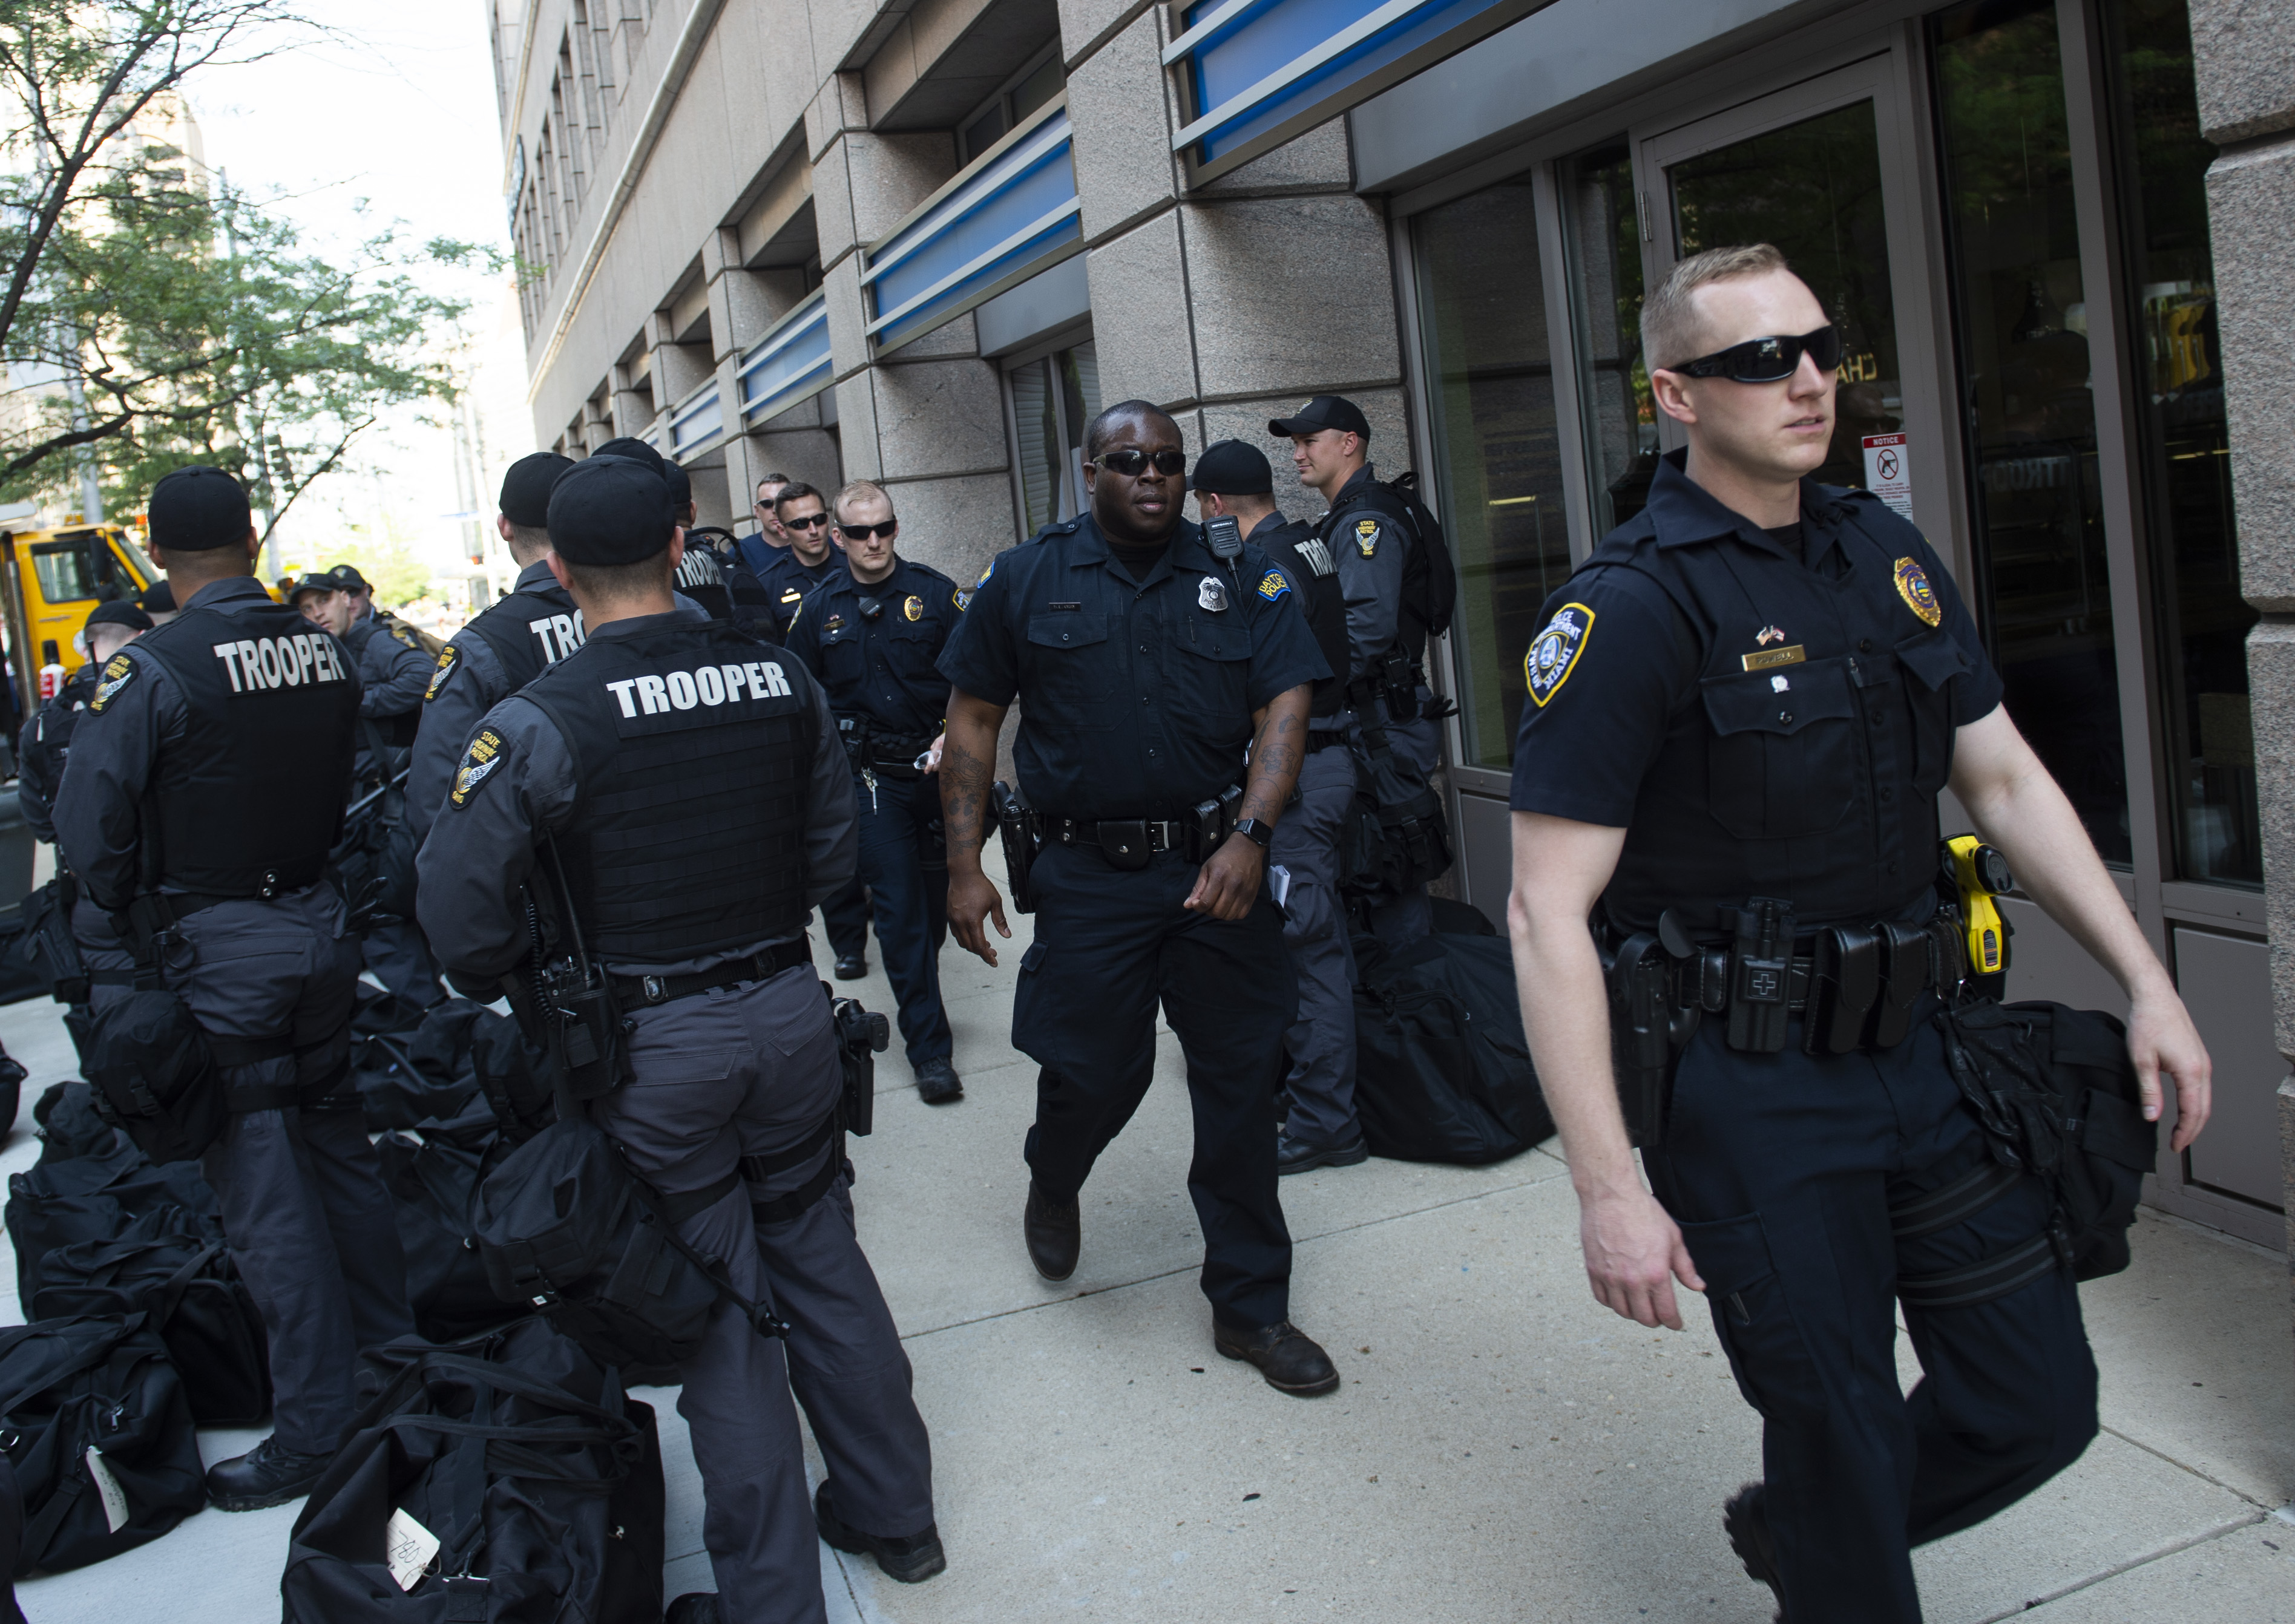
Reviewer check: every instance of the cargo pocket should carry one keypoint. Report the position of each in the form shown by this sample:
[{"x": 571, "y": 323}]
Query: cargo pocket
[
  {"x": 1751, "y": 1315},
  {"x": 1772, "y": 744}
]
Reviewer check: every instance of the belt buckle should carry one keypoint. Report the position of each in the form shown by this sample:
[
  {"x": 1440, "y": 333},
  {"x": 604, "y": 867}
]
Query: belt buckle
[{"x": 653, "y": 989}]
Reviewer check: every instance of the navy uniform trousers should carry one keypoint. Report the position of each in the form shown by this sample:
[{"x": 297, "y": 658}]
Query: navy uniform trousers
[
  {"x": 1781, "y": 1170},
  {"x": 309, "y": 1223},
  {"x": 903, "y": 863},
  {"x": 845, "y": 920},
  {"x": 1109, "y": 944},
  {"x": 1406, "y": 918},
  {"x": 1322, "y": 1041},
  {"x": 751, "y": 1071}
]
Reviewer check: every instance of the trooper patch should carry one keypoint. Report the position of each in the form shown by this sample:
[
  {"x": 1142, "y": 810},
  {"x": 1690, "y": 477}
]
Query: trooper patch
[
  {"x": 1913, "y": 586},
  {"x": 914, "y": 607},
  {"x": 1367, "y": 536},
  {"x": 1554, "y": 655},
  {"x": 1210, "y": 594},
  {"x": 478, "y": 763},
  {"x": 447, "y": 660},
  {"x": 118, "y": 671},
  {"x": 1273, "y": 587}
]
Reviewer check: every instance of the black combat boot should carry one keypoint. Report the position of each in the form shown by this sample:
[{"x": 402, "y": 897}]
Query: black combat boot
[
  {"x": 937, "y": 1084},
  {"x": 911, "y": 1558},
  {"x": 268, "y": 1475},
  {"x": 1055, "y": 1233},
  {"x": 1745, "y": 1519},
  {"x": 1291, "y": 1360}
]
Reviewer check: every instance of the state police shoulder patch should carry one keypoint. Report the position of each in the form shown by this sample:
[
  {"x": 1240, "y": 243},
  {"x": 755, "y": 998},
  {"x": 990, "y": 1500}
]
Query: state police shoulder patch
[
  {"x": 1367, "y": 536},
  {"x": 1553, "y": 652},
  {"x": 448, "y": 658},
  {"x": 478, "y": 763},
  {"x": 118, "y": 671},
  {"x": 1273, "y": 587}
]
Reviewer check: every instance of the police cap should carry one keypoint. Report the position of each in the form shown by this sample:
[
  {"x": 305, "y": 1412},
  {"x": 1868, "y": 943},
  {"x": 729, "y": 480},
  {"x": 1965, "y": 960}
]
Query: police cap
[
  {"x": 157, "y": 599},
  {"x": 313, "y": 583},
  {"x": 342, "y": 578},
  {"x": 1324, "y": 412},
  {"x": 609, "y": 509},
  {"x": 198, "y": 510},
  {"x": 120, "y": 612},
  {"x": 1230, "y": 468},
  {"x": 526, "y": 488},
  {"x": 681, "y": 487}
]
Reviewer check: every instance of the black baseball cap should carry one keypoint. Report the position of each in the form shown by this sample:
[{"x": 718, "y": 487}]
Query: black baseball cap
[
  {"x": 157, "y": 599},
  {"x": 681, "y": 487},
  {"x": 198, "y": 510},
  {"x": 1324, "y": 412},
  {"x": 316, "y": 582},
  {"x": 1230, "y": 468},
  {"x": 526, "y": 488},
  {"x": 609, "y": 509},
  {"x": 343, "y": 578},
  {"x": 120, "y": 612}
]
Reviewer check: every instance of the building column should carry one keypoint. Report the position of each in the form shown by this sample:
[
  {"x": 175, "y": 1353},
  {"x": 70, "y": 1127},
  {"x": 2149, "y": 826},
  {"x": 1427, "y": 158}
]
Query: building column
[{"x": 2245, "y": 63}]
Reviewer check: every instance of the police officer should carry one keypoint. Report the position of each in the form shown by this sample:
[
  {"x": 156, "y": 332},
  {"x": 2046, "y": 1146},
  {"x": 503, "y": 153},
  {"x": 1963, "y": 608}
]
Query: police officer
[
  {"x": 347, "y": 579},
  {"x": 1145, "y": 666},
  {"x": 1755, "y": 689},
  {"x": 393, "y": 675},
  {"x": 871, "y": 635},
  {"x": 505, "y": 646},
  {"x": 708, "y": 961},
  {"x": 204, "y": 789},
  {"x": 758, "y": 550},
  {"x": 1384, "y": 574},
  {"x": 41, "y": 752},
  {"x": 1232, "y": 479}
]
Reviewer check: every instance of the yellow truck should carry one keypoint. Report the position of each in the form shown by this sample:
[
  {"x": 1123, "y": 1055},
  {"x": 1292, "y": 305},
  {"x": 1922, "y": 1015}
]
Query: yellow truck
[{"x": 50, "y": 582}]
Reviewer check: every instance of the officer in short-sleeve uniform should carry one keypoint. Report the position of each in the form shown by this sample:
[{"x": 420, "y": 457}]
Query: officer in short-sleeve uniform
[
  {"x": 1137, "y": 696},
  {"x": 1771, "y": 715},
  {"x": 204, "y": 791},
  {"x": 668, "y": 733},
  {"x": 874, "y": 647}
]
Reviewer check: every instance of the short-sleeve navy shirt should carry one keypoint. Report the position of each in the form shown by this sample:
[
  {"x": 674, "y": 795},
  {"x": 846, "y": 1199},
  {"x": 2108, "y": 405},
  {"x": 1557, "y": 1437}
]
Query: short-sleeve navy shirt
[
  {"x": 880, "y": 665},
  {"x": 1761, "y": 723},
  {"x": 1136, "y": 697}
]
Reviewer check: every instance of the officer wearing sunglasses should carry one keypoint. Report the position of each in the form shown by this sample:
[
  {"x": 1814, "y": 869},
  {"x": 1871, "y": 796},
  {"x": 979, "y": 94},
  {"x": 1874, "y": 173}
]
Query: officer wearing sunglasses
[
  {"x": 872, "y": 632},
  {"x": 1739, "y": 715},
  {"x": 1145, "y": 664}
]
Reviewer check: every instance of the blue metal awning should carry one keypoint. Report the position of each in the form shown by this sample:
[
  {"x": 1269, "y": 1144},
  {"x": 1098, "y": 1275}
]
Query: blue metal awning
[
  {"x": 697, "y": 422},
  {"x": 1255, "y": 73},
  {"x": 1007, "y": 216},
  {"x": 789, "y": 364}
]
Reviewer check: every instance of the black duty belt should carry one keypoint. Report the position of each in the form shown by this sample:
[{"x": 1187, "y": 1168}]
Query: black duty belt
[
  {"x": 1129, "y": 843},
  {"x": 649, "y": 989}
]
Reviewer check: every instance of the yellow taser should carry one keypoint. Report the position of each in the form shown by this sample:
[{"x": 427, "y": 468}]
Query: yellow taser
[{"x": 1980, "y": 873}]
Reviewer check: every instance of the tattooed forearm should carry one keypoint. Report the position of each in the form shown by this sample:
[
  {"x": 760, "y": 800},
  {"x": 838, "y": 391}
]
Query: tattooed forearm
[
  {"x": 967, "y": 764},
  {"x": 1277, "y": 751}
]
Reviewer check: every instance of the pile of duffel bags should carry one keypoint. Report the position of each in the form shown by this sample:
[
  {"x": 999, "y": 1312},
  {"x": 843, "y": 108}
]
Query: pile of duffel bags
[{"x": 496, "y": 1470}]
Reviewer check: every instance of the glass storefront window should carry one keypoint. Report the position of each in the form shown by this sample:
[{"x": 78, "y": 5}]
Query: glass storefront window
[
  {"x": 1603, "y": 229},
  {"x": 1498, "y": 462},
  {"x": 1054, "y": 397},
  {"x": 2021, "y": 318},
  {"x": 2184, "y": 444}
]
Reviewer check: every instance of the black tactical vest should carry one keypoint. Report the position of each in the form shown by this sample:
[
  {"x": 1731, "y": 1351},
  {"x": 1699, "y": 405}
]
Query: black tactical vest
[
  {"x": 1307, "y": 559},
  {"x": 529, "y": 630},
  {"x": 1369, "y": 495},
  {"x": 693, "y": 749},
  {"x": 251, "y": 802},
  {"x": 1808, "y": 767}
]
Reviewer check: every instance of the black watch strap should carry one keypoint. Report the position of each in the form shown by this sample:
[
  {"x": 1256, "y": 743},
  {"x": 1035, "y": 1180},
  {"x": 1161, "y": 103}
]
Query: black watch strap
[{"x": 1262, "y": 835}]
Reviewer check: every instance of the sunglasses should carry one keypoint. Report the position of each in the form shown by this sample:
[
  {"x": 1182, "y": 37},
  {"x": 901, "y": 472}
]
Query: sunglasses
[
  {"x": 807, "y": 522},
  {"x": 862, "y": 533},
  {"x": 1131, "y": 463},
  {"x": 1766, "y": 360}
]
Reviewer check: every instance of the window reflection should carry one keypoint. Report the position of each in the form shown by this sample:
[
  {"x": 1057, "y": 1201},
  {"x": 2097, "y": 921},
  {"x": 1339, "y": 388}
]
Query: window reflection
[
  {"x": 1605, "y": 262},
  {"x": 1054, "y": 399}
]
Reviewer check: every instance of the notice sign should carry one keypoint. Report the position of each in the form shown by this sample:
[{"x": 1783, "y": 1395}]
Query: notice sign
[{"x": 1886, "y": 473}]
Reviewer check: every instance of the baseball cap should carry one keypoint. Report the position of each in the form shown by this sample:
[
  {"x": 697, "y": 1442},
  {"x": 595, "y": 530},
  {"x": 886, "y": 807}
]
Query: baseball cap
[
  {"x": 609, "y": 509},
  {"x": 119, "y": 611},
  {"x": 157, "y": 599},
  {"x": 1324, "y": 412},
  {"x": 342, "y": 578},
  {"x": 316, "y": 582},
  {"x": 526, "y": 488},
  {"x": 198, "y": 510},
  {"x": 635, "y": 451},
  {"x": 1230, "y": 468}
]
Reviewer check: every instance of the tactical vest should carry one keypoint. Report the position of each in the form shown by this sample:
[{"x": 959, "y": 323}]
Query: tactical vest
[
  {"x": 529, "y": 630},
  {"x": 693, "y": 749},
  {"x": 252, "y": 800},
  {"x": 1307, "y": 559},
  {"x": 1419, "y": 607}
]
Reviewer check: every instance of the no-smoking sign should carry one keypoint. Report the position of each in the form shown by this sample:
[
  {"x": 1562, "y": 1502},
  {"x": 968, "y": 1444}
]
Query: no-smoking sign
[{"x": 1887, "y": 473}]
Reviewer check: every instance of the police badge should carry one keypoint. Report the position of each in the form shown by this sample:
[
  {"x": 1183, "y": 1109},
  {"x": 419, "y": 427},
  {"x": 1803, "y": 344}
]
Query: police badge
[
  {"x": 478, "y": 763},
  {"x": 912, "y": 608},
  {"x": 1913, "y": 586},
  {"x": 117, "y": 671},
  {"x": 1367, "y": 536},
  {"x": 1554, "y": 654},
  {"x": 1210, "y": 594}
]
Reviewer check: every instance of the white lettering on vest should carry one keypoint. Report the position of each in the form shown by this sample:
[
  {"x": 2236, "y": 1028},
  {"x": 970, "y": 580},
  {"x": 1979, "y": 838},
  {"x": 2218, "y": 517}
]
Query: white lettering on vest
[
  {"x": 653, "y": 694},
  {"x": 680, "y": 690},
  {"x": 711, "y": 681},
  {"x": 280, "y": 662},
  {"x": 621, "y": 692},
  {"x": 267, "y": 654},
  {"x": 228, "y": 653},
  {"x": 1317, "y": 556},
  {"x": 776, "y": 683},
  {"x": 737, "y": 678}
]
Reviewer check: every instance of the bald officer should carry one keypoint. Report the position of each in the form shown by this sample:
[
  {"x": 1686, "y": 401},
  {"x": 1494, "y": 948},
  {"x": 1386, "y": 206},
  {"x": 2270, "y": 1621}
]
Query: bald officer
[{"x": 668, "y": 733}]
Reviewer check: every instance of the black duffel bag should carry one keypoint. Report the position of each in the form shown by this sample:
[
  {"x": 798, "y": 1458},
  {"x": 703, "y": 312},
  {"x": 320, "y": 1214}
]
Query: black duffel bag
[
  {"x": 539, "y": 1482},
  {"x": 406, "y": 1079},
  {"x": 92, "y": 1420},
  {"x": 434, "y": 1187},
  {"x": 68, "y": 1125},
  {"x": 1442, "y": 1072},
  {"x": 97, "y": 1198},
  {"x": 515, "y": 1077},
  {"x": 186, "y": 1291}
]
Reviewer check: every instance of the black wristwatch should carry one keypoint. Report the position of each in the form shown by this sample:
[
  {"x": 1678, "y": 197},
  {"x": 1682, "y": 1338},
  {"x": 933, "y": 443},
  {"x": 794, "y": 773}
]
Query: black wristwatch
[{"x": 1260, "y": 834}]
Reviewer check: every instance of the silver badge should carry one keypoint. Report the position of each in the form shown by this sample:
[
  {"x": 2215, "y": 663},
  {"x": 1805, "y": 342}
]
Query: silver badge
[{"x": 1212, "y": 595}]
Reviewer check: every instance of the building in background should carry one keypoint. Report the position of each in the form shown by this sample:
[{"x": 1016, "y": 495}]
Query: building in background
[{"x": 921, "y": 241}]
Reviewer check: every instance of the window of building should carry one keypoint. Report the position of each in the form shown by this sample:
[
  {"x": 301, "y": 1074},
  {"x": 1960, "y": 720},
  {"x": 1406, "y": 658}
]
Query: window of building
[
  {"x": 1027, "y": 90},
  {"x": 1603, "y": 229},
  {"x": 1052, "y": 398}
]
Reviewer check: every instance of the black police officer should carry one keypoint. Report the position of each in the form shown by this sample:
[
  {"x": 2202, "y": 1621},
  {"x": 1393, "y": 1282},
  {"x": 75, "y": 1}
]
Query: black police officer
[
  {"x": 1319, "y": 1128},
  {"x": 1756, "y": 689},
  {"x": 668, "y": 733},
  {"x": 204, "y": 791},
  {"x": 1386, "y": 576},
  {"x": 1145, "y": 666},
  {"x": 871, "y": 635},
  {"x": 504, "y": 647},
  {"x": 47, "y": 741}
]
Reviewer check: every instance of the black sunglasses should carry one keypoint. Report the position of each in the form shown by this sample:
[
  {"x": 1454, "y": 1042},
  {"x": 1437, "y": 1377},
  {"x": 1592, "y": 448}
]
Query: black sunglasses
[
  {"x": 1766, "y": 360},
  {"x": 862, "y": 533},
  {"x": 1131, "y": 463},
  {"x": 807, "y": 522}
]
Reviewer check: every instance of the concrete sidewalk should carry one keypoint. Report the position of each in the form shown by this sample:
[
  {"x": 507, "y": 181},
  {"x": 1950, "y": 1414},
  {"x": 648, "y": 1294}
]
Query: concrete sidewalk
[{"x": 1503, "y": 1449}]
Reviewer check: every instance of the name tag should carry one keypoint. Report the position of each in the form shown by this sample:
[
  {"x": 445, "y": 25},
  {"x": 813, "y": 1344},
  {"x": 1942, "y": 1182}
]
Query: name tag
[{"x": 1791, "y": 654}]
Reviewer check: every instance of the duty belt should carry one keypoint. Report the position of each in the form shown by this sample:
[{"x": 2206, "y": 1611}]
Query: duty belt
[
  {"x": 649, "y": 989},
  {"x": 1133, "y": 843}
]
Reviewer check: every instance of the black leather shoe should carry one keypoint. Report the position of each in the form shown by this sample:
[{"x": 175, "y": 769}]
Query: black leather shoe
[
  {"x": 695, "y": 1607},
  {"x": 1298, "y": 1156},
  {"x": 1745, "y": 1519},
  {"x": 267, "y": 1475},
  {"x": 1291, "y": 1360},
  {"x": 937, "y": 1084},
  {"x": 852, "y": 966},
  {"x": 912, "y": 1558},
  {"x": 1054, "y": 1232}
]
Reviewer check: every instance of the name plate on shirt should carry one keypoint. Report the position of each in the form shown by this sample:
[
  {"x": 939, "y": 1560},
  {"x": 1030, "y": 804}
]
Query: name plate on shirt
[{"x": 1791, "y": 654}]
